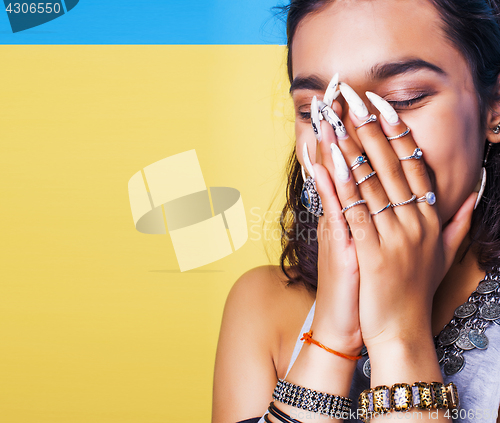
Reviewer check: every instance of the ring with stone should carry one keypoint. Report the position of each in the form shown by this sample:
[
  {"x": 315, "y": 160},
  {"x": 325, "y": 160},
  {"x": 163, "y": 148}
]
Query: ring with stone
[
  {"x": 371, "y": 119},
  {"x": 417, "y": 154},
  {"x": 405, "y": 202},
  {"x": 382, "y": 209},
  {"x": 359, "y": 161},
  {"x": 429, "y": 198},
  {"x": 403, "y": 134}
]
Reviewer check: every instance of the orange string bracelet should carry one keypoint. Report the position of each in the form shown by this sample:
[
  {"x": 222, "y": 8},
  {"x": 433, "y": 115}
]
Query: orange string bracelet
[{"x": 307, "y": 338}]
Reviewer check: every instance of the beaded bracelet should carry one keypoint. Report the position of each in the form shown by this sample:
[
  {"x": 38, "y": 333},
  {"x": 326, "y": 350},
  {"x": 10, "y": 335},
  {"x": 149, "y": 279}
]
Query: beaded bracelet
[
  {"x": 402, "y": 397},
  {"x": 307, "y": 399}
]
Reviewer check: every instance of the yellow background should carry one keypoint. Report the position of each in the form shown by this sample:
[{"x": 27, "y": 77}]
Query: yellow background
[{"x": 97, "y": 322}]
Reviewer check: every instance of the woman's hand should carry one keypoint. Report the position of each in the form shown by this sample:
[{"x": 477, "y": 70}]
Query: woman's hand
[
  {"x": 402, "y": 252},
  {"x": 336, "y": 318}
]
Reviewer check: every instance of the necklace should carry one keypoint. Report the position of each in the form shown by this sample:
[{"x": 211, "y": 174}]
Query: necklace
[{"x": 466, "y": 329}]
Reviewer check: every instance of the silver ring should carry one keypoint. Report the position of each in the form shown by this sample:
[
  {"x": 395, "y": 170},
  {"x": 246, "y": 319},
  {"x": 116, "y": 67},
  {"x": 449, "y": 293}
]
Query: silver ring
[
  {"x": 381, "y": 210},
  {"x": 358, "y": 162},
  {"x": 371, "y": 119},
  {"x": 365, "y": 178},
  {"x": 357, "y": 203},
  {"x": 417, "y": 154},
  {"x": 405, "y": 202},
  {"x": 429, "y": 198},
  {"x": 404, "y": 134}
]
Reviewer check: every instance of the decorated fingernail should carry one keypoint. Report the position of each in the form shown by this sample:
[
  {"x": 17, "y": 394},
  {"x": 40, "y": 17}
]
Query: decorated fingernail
[
  {"x": 341, "y": 169},
  {"x": 307, "y": 161},
  {"x": 332, "y": 118},
  {"x": 331, "y": 92},
  {"x": 383, "y": 107},
  {"x": 353, "y": 100},
  {"x": 315, "y": 121}
]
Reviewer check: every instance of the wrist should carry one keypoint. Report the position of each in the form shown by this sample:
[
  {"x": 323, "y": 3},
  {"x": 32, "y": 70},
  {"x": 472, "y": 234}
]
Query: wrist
[
  {"x": 320, "y": 370},
  {"x": 345, "y": 342},
  {"x": 338, "y": 330},
  {"x": 407, "y": 331},
  {"x": 404, "y": 360}
]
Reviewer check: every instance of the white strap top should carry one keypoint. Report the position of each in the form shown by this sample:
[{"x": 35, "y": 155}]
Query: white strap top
[{"x": 298, "y": 345}]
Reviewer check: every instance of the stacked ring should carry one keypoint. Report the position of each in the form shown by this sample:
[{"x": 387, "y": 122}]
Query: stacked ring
[
  {"x": 357, "y": 203},
  {"x": 405, "y": 202},
  {"x": 403, "y": 134},
  {"x": 381, "y": 210},
  {"x": 359, "y": 161},
  {"x": 365, "y": 178}
]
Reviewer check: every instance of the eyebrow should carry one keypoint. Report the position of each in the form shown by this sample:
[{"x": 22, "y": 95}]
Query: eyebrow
[
  {"x": 377, "y": 72},
  {"x": 388, "y": 70},
  {"x": 312, "y": 82}
]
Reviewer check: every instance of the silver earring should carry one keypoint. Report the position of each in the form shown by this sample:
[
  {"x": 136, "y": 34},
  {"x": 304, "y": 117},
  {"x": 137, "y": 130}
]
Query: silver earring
[
  {"x": 496, "y": 129},
  {"x": 483, "y": 170},
  {"x": 309, "y": 196}
]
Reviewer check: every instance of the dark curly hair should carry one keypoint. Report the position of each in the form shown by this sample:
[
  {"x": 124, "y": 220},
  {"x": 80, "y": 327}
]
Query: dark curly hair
[{"x": 473, "y": 27}]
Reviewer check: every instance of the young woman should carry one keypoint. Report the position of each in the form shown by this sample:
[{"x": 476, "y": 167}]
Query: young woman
[{"x": 400, "y": 260}]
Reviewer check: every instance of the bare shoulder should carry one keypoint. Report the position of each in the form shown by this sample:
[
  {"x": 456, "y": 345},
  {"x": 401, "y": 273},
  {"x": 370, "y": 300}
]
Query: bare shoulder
[
  {"x": 265, "y": 288},
  {"x": 262, "y": 297},
  {"x": 261, "y": 320}
]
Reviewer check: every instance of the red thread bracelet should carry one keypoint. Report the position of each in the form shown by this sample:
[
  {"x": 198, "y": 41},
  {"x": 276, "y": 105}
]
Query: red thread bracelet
[{"x": 307, "y": 338}]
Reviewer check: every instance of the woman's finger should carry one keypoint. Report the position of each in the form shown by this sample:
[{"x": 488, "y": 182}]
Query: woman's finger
[
  {"x": 382, "y": 156},
  {"x": 411, "y": 158},
  {"x": 370, "y": 188},
  {"x": 332, "y": 220},
  {"x": 368, "y": 184},
  {"x": 357, "y": 215}
]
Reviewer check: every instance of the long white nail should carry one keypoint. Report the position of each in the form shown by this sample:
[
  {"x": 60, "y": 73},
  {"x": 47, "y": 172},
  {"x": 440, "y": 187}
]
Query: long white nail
[
  {"x": 354, "y": 101},
  {"x": 315, "y": 121},
  {"x": 332, "y": 118},
  {"x": 331, "y": 92},
  {"x": 307, "y": 161},
  {"x": 383, "y": 107},
  {"x": 341, "y": 169}
]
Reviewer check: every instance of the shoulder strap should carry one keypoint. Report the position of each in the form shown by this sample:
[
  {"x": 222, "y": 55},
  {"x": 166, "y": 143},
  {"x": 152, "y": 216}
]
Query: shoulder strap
[{"x": 298, "y": 345}]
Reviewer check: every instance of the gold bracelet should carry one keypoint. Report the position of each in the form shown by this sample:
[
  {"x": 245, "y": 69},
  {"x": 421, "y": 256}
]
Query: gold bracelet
[{"x": 402, "y": 397}]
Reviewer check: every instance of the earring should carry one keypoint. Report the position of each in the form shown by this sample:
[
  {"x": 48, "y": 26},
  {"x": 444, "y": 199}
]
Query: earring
[
  {"x": 309, "y": 197},
  {"x": 496, "y": 130}
]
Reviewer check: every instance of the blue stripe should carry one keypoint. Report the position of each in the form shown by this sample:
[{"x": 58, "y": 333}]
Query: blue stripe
[{"x": 154, "y": 22}]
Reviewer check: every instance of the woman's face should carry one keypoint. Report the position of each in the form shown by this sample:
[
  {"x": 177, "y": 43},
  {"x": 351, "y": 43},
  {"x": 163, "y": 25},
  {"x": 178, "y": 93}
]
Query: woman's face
[{"x": 368, "y": 43}]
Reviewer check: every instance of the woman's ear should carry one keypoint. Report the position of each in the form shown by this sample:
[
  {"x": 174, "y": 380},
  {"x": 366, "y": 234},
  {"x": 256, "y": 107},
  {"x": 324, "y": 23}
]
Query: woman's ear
[{"x": 493, "y": 120}]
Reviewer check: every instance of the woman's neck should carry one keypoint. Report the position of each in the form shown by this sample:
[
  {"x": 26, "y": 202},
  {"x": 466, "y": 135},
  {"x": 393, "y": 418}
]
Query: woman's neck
[{"x": 460, "y": 281}]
